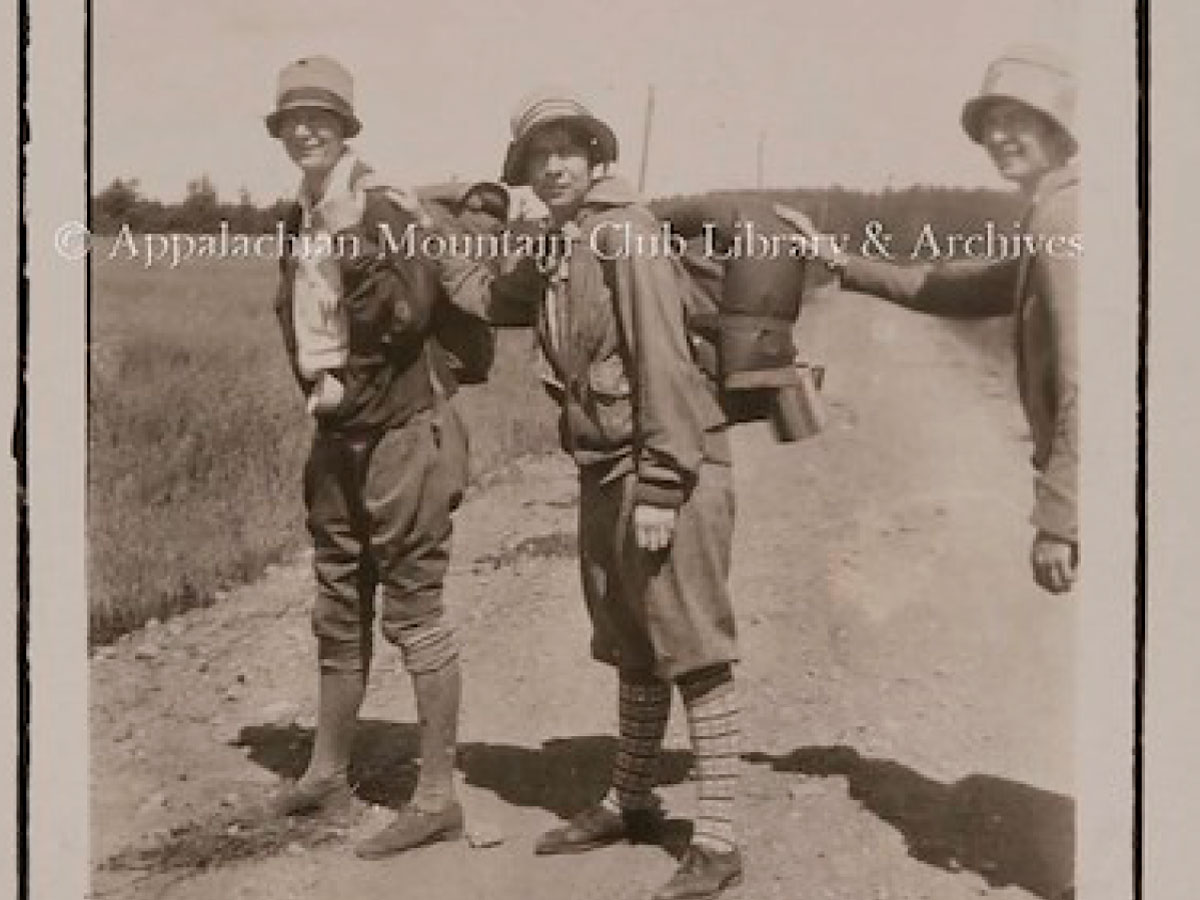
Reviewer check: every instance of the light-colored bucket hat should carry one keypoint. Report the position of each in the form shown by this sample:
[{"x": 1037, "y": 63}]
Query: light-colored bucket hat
[
  {"x": 542, "y": 108},
  {"x": 1035, "y": 76},
  {"x": 315, "y": 81}
]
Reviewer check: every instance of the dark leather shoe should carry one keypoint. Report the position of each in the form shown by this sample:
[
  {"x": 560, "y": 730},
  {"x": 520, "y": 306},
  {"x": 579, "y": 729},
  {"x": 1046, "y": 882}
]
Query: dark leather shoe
[
  {"x": 413, "y": 827},
  {"x": 702, "y": 874},
  {"x": 319, "y": 796},
  {"x": 597, "y": 827}
]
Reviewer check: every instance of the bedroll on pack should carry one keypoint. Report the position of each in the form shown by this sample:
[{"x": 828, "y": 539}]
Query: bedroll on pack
[
  {"x": 465, "y": 209},
  {"x": 746, "y": 300}
]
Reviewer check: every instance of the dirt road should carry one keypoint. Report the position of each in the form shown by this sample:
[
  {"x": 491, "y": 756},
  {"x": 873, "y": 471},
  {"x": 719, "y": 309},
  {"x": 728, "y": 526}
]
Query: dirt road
[{"x": 906, "y": 690}]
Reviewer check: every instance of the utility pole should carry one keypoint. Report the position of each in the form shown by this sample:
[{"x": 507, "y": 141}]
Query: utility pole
[
  {"x": 762, "y": 141},
  {"x": 646, "y": 138}
]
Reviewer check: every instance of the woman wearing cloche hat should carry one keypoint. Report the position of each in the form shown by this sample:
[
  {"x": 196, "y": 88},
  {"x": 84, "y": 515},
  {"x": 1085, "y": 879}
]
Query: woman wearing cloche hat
[
  {"x": 382, "y": 476},
  {"x": 1023, "y": 116},
  {"x": 645, "y": 428}
]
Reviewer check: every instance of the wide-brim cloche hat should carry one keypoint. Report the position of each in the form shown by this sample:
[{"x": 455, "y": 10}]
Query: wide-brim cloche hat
[
  {"x": 315, "y": 81},
  {"x": 553, "y": 106},
  {"x": 1034, "y": 76}
]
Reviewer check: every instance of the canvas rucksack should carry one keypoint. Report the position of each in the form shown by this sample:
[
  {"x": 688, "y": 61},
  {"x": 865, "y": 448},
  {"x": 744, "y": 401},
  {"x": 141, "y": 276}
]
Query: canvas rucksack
[
  {"x": 467, "y": 337},
  {"x": 741, "y": 305}
]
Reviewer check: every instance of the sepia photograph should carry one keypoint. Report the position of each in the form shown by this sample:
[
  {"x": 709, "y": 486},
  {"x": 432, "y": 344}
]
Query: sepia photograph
[{"x": 572, "y": 450}]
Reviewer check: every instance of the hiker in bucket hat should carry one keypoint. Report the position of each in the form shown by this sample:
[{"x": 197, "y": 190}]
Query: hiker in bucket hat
[
  {"x": 656, "y": 493},
  {"x": 383, "y": 473},
  {"x": 316, "y": 82},
  {"x": 643, "y": 423},
  {"x": 1023, "y": 116}
]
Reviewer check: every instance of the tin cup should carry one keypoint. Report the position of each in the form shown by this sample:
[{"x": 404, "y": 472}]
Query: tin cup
[{"x": 797, "y": 411}]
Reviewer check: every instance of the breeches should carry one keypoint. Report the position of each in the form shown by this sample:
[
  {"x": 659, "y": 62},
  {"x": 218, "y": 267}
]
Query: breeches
[
  {"x": 667, "y": 612},
  {"x": 379, "y": 515}
]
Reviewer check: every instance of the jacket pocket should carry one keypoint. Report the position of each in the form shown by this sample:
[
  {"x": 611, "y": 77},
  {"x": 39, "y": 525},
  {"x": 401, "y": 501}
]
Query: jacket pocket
[
  {"x": 609, "y": 403},
  {"x": 607, "y": 379}
]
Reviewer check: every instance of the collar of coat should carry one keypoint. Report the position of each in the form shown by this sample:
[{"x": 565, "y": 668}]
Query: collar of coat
[
  {"x": 346, "y": 175},
  {"x": 609, "y": 191}
]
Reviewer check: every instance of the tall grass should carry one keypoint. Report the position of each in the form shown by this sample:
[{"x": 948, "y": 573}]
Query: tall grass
[{"x": 197, "y": 434}]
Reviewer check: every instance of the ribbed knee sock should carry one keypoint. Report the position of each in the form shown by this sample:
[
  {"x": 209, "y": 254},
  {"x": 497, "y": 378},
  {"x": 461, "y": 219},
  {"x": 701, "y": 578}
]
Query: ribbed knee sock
[
  {"x": 712, "y": 715},
  {"x": 643, "y": 707}
]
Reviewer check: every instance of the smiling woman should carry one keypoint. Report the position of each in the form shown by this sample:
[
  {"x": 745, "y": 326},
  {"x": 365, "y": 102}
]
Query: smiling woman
[
  {"x": 314, "y": 138},
  {"x": 1023, "y": 116},
  {"x": 387, "y": 464}
]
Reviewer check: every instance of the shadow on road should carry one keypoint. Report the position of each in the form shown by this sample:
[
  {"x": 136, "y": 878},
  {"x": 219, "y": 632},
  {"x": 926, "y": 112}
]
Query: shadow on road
[
  {"x": 562, "y": 776},
  {"x": 1008, "y": 832}
]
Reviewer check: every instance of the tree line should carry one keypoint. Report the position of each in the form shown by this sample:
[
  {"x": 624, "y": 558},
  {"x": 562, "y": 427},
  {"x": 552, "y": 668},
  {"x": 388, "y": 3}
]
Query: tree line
[{"x": 201, "y": 211}]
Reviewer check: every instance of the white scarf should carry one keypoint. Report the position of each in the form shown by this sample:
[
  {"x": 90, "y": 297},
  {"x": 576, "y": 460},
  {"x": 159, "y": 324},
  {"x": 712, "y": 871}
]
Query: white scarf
[{"x": 320, "y": 324}]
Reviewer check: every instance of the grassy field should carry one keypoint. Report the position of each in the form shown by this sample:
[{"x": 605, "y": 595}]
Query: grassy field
[{"x": 197, "y": 434}]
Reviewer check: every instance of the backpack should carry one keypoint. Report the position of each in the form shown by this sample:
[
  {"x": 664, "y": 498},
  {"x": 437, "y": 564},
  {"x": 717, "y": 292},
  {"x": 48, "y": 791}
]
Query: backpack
[
  {"x": 467, "y": 338},
  {"x": 469, "y": 342},
  {"x": 741, "y": 303},
  {"x": 746, "y": 293}
]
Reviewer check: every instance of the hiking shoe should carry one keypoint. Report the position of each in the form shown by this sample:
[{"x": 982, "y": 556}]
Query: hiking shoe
[
  {"x": 597, "y": 827},
  {"x": 702, "y": 874},
  {"x": 413, "y": 827},
  {"x": 321, "y": 795}
]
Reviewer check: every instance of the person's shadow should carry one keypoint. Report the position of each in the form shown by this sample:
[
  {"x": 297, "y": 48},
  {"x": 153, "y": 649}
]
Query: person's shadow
[
  {"x": 562, "y": 776},
  {"x": 1008, "y": 832}
]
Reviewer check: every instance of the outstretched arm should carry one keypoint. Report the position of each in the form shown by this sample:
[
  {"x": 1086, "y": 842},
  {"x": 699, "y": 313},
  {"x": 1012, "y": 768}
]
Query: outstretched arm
[{"x": 955, "y": 289}]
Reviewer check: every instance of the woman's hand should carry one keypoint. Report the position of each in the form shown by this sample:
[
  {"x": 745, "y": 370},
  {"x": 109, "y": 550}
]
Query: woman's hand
[
  {"x": 820, "y": 246},
  {"x": 1054, "y": 562},
  {"x": 653, "y": 526}
]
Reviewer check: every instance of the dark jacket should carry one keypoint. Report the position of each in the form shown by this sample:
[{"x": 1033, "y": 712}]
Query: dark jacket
[
  {"x": 389, "y": 296},
  {"x": 1041, "y": 292}
]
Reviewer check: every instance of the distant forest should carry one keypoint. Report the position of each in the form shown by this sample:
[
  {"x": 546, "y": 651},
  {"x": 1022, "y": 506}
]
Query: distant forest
[{"x": 904, "y": 212}]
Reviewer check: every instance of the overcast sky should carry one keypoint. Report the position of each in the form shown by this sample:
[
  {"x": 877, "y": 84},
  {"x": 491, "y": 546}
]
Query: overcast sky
[{"x": 858, "y": 92}]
